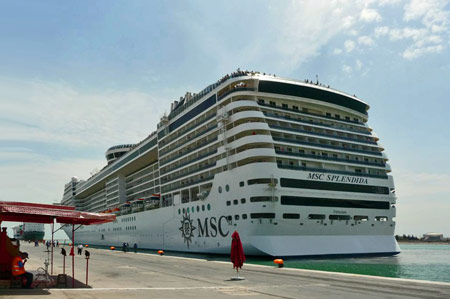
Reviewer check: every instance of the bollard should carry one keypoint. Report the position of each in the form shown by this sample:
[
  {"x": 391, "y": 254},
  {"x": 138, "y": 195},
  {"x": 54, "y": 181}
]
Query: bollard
[
  {"x": 279, "y": 262},
  {"x": 88, "y": 255}
]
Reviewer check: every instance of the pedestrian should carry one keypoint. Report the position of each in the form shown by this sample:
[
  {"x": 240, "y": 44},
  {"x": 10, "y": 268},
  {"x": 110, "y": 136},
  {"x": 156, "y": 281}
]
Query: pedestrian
[
  {"x": 124, "y": 247},
  {"x": 80, "y": 249},
  {"x": 18, "y": 269},
  {"x": 135, "y": 246}
]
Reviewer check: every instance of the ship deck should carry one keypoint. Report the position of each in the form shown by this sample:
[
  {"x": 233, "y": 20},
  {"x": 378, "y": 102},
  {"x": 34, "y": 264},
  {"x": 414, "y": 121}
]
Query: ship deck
[{"x": 113, "y": 274}]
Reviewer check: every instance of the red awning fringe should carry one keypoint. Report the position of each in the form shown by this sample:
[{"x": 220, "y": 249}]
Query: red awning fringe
[{"x": 45, "y": 213}]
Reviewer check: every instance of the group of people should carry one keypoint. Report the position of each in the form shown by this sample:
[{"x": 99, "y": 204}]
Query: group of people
[
  {"x": 125, "y": 246},
  {"x": 49, "y": 243}
]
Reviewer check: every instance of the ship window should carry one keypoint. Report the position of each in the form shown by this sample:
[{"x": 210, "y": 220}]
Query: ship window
[
  {"x": 328, "y": 114},
  {"x": 198, "y": 209},
  {"x": 261, "y": 101},
  {"x": 360, "y": 218},
  {"x": 355, "y": 120},
  {"x": 228, "y": 203},
  {"x": 242, "y": 200},
  {"x": 272, "y": 103},
  {"x": 235, "y": 202},
  {"x": 261, "y": 198},
  {"x": 295, "y": 108},
  {"x": 208, "y": 207},
  {"x": 203, "y": 207},
  {"x": 285, "y": 105},
  {"x": 236, "y": 217},
  {"x": 262, "y": 181},
  {"x": 316, "y": 216},
  {"x": 381, "y": 218},
  {"x": 339, "y": 217},
  {"x": 262, "y": 215},
  {"x": 244, "y": 216},
  {"x": 291, "y": 216},
  {"x": 220, "y": 189},
  {"x": 334, "y": 202},
  {"x": 241, "y": 184},
  {"x": 227, "y": 187},
  {"x": 192, "y": 209},
  {"x": 179, "y": 212},
  {"x": 347, "y": 118},
  {"x": 337, "y": 116}
]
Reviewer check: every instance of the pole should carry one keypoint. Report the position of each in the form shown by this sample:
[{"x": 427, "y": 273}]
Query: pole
[
  {"x": 73, "y": 256},
  {"x": 64, "y": 264},
  {"x": 53, "y": 228},
  {"x": 87, "y": 270}
]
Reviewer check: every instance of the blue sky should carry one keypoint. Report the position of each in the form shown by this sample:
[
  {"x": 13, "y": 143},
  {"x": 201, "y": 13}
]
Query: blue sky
[{"x": 78, "y": 77}]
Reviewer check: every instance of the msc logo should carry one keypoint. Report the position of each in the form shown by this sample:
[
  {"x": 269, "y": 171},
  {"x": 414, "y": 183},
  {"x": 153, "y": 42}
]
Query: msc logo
[
  {"x": 187, "y": 228},
  {"x": 210, "y": 227}
]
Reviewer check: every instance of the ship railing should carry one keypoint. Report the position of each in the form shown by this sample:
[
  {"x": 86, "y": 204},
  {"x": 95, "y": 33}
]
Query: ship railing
[
  {"x": 315, "y": 114},
  {"x": 322, "y": 134},
  {"x": 310, "y": 122},
  {"x": 326, "y": 146},
  {"x": 329, "y": 158},
  {"x": 235, "y": 90}
]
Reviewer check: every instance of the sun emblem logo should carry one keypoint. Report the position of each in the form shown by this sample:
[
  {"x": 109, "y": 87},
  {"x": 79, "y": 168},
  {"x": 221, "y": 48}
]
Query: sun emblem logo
[{"x": 187, "y": 228}]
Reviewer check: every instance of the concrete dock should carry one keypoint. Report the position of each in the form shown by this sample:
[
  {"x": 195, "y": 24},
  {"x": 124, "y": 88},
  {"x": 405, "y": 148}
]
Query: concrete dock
[{"x": 115, "y": 274}]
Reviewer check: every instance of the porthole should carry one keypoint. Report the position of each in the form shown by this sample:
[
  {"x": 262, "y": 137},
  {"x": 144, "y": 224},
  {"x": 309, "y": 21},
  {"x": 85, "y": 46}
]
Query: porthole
[
  {"x": 220, "y": 189},
  {"x": 192, "y": 209},
  {"x": 227, "y": 187},
  {"x": 183, "y": 211},
  {"x": 203, "y": 207},
  {"x": 208, "y": 207},
  {"x": 179, "y": 212},
  {"x": 198, "y": 209}
]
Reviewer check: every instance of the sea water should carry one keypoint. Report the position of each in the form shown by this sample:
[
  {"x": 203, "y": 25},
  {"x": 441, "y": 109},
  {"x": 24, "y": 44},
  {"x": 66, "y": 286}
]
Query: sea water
[{"x": 423, "y": 262}]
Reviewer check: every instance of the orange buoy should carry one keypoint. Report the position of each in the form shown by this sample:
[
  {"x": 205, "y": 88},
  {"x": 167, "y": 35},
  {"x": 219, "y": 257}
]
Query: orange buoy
[
  {"x": 279, "y": 262},
  {"x": 160, "y": 252},
  {"x": 86, "y": 245},
  {"x": 112, "y": 247}
]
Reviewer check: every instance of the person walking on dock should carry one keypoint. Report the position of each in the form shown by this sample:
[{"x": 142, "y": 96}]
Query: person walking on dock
[
  {"x": 135, "y": 246},
  {"x": 80, "y": 249}
]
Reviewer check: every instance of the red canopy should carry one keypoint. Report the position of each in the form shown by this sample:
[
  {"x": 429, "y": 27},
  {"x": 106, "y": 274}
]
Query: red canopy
[{"x": 45, "y": 213}]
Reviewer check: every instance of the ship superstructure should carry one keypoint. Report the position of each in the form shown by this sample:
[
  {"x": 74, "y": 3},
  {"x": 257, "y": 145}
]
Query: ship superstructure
[{"x": 292, "y": 165}]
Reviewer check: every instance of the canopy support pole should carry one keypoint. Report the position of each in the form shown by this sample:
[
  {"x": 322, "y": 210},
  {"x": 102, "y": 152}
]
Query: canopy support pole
[
  {"x": 73, "y": 256},
  {"x": 53, "y": 232}
]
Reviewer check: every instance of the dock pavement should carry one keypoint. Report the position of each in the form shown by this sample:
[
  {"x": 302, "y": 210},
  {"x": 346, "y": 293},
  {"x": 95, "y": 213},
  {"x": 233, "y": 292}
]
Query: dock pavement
[{"x": 115, "y": 274}]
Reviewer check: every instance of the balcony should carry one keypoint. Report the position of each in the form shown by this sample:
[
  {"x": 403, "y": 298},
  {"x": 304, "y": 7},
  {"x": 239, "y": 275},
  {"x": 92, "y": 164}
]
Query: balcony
[{"x": 326, "y": 146}]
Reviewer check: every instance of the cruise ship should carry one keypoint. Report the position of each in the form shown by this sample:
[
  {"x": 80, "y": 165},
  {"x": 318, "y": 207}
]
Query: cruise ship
[
  {"x": 29, "y": 231},
  {"x": 292, "y": 165}
]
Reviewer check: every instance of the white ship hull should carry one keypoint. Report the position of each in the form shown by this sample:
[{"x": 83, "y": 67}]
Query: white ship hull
[{"x": 209, "y": 230}]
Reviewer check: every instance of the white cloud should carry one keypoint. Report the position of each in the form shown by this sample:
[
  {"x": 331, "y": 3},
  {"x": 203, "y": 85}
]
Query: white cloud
[
  {"x": 370, "y": 15},
  {"x": 349, "y": 46},
  {"x": 359, "y": 64},
  {"x": 365, "y": 40},
  {"x": 381, "y": 31},
  {"x": 347, "y": 69},
  {"x": 57, "y": 113},
  {"x": 337, "y": 51},
  {"x": 412, "y": 52},
  {"x": 309, "y": 25}
]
